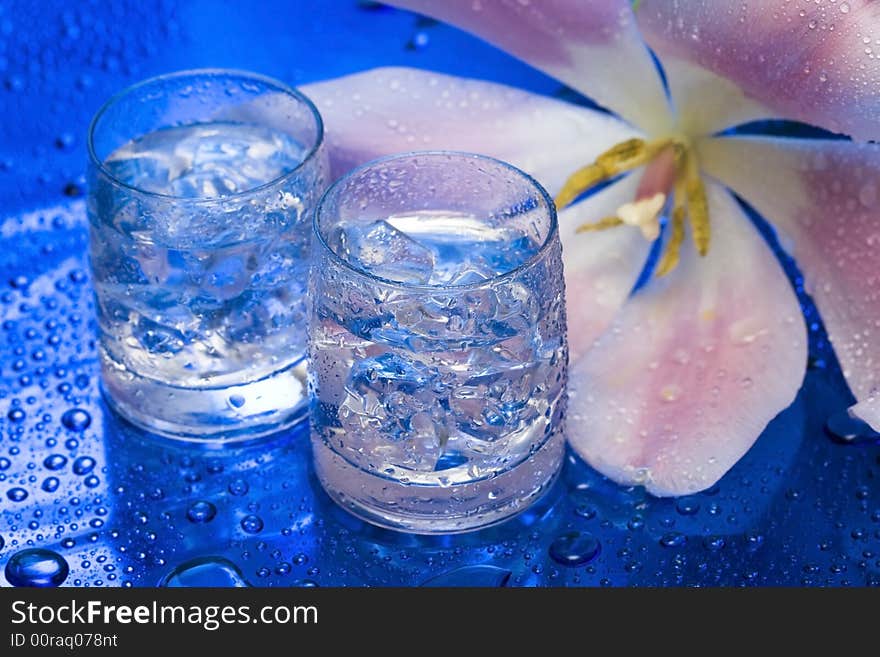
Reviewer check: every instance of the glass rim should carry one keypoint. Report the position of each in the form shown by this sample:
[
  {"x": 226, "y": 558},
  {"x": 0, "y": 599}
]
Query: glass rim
[
  {"x": 536, "y": 257},
  {"x": 233, "y": 72}
]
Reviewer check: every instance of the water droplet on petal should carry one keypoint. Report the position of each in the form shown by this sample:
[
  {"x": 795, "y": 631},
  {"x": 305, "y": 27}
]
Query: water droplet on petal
[{"x": 36, "y": 568}]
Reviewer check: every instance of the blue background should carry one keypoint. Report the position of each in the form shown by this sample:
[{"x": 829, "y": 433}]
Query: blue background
[{"x": 798, "y": 509}]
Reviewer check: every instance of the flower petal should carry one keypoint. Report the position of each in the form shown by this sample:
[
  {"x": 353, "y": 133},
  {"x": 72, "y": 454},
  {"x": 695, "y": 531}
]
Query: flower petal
[
  {"x": 869, "y": 411},
  {"x": 601, "y": 267},
  {"x": 389, "y": 110},
  {"x": 825, "y": 197},
  {"x": 694, "y": 366},
  {"x": 591, "y": 45},
  {"x": 810, "y": 61}
]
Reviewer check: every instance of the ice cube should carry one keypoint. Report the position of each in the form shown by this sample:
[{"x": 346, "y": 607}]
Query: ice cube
[{"x": 384, "y": 251}]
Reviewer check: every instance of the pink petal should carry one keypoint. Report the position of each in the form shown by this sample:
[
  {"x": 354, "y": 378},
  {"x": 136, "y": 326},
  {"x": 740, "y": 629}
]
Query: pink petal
[
  {"x": 591, "y": 45},
  {"x": 694, "y": 366},
  {"x": 601, "y": 267},
  {"x": 810, "y": 61},
  {"x": 390, "y": 110},
  {"x": 825, "y": 197}
]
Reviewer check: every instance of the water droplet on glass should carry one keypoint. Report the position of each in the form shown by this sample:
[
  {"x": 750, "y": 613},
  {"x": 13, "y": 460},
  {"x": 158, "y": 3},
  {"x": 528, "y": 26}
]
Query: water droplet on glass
[
  {"x": 201, "y": 511},
  {"x": 574, "y": 548},
  {"x": 211, "y": 572},
  {"x": 50, "y": 484},
  {"x": 236, "y": 401},
  {"x": 252, "y": 524},
  {"x": 16, "y": 415},
  {"x": 76, "y": 419},
  {"x": 36, "y": 567}
]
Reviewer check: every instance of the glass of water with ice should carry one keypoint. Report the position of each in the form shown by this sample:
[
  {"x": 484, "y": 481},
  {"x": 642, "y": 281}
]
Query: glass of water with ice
[
  {"x": 438, "y": 354},
  {"x": 201, "y": 189}
]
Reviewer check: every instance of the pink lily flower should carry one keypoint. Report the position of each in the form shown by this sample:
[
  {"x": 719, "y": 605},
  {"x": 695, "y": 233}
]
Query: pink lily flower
[{"x": 670, "y": 386}]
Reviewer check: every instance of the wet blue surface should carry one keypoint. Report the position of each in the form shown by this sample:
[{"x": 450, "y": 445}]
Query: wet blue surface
[{"x": 115, "y": 507}]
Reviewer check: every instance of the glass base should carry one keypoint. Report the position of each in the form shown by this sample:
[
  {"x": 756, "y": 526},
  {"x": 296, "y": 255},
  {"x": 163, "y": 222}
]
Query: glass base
[
  {"x": 229, "y": 414},
  {"x": 438, "y": 509}
]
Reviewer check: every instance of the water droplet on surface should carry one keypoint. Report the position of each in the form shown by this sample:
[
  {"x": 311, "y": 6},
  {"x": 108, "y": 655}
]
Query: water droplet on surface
[
  {"x": 673, "y": 540},
  {"x": 483, "y": 576},
  {"x": 55, "y": 462},
  {"x": 50, "y": 484},
  {"x": 236, "y": 401},
  {"x": 201, "y": 511},
  {"x": 36, "y": 568},
  {"x": 238, "y": 487},
  {"x": 83, "y": 465},
  {"x": 16, "y": 415},
  {"x": 574, "y": 548},
  {"x": 211, "y": 572},
  {"x": 845, "y": 429},
  {"x": 687, "y": 506},
  {"x": 252, "y": 524},
  {"x": 76, "y": 419},
  {"x": 17, "y": 494}
]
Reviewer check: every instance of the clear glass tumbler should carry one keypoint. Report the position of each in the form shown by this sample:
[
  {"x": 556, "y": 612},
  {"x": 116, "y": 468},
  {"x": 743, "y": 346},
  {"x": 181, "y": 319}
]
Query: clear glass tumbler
[
  {"x": 201, "y": 190},
  {"x": 438, "y": 355}
]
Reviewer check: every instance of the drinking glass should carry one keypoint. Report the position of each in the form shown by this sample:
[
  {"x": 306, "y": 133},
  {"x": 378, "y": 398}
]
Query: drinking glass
[
  {"x": 201, "y": 189},
  {"x": 438, "y": 355}
]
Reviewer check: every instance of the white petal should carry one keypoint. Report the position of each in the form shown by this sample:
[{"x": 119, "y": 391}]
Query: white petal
[
  {"x": 694, "y": 366},
  {"x": 391, "y": 110},
  {"x": 593, "y": 46},
  {"x": 825, "y": 197}
]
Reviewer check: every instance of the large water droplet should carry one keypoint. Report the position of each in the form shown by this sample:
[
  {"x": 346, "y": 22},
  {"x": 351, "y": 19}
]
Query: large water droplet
[
  {"x": 76, "y": 419},
  {"x": 201, "y": 511},
  {"x": 55, "y": 462},
  {"x": 83, "y": 465},
  {"x": 212, "y": 572},
  {"x": 17, "y": 494},
  {"x": 252, "y": 524},
  {"x": 483, "y": 576},
  {"x": 574, "y": 548},
  {"x": 36, "y": 567}
]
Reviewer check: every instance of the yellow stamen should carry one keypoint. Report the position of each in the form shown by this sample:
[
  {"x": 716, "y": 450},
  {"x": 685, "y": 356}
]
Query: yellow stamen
[
  {"x": 690, "y": 203},
  {"x": 645, "y": 214},
  {"x": 697, "y": 206},
  {"x": 602, "y": 224},
  {"x": 672, "y": 250},
  {"x": 619, "y": 158}
]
